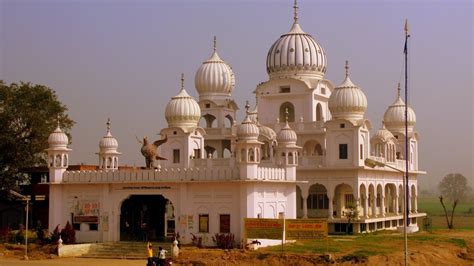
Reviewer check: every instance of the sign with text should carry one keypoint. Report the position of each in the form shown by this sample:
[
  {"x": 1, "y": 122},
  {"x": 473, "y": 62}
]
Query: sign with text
[
  {"x": 263, "y": 228},
  {"x": 296, "y": 229}
]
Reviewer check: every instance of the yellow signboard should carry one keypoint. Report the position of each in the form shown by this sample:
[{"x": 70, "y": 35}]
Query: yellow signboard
[
  {"x": 263, "y": 228},
  {"x": 306, "y": 229}
]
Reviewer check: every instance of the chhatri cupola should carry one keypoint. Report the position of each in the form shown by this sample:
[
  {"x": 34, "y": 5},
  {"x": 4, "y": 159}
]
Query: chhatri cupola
[
  {"x": 214, "y": 77},
  {"x": 348, "y": 101},
  {"x": 182, "y": 110},
  {"x": 394, "y": 117},
  {"x": 296, "y": 54}
]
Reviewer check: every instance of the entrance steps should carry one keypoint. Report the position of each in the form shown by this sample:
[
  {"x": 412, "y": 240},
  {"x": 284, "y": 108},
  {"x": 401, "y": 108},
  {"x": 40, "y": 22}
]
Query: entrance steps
[{"x": 124, "y": 250}]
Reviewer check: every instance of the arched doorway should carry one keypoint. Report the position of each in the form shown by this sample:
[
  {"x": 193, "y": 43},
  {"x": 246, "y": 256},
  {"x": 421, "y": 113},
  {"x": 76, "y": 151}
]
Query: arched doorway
[{"x": 146, "y": 217}]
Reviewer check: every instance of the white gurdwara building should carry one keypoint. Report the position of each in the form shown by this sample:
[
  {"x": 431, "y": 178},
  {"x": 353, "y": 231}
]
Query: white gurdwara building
[{"x": 298, "y": 154}]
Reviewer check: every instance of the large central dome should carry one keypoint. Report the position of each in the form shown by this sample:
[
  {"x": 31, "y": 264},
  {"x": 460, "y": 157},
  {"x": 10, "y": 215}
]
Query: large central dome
[{"x": 296, "y": 53}]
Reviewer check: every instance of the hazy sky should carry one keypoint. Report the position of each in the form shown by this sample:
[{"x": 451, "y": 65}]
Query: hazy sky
[{"x": 123, "y": 60}]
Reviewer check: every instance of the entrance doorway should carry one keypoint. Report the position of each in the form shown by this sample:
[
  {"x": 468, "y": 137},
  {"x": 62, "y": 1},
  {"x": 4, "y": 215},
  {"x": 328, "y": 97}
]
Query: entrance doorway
[{"x": 146, "y": 217}]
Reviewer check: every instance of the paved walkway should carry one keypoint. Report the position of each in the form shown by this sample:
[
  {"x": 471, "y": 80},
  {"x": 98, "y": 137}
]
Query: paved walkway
[{"x": 73, "y": 262}]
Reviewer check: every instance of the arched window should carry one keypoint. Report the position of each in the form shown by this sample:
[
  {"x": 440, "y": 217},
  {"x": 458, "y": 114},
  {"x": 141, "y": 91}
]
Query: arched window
[
  {"x": 110, "y": 163},
  {"x": 209, "y": 120},
  {"x": 290, "y": 158},
  {"x": 251, "y": 155},
  {"x": 318, "y": 149},
  {"x": 65, "y": 160},
  {"x": 242, "y": 155},
  {"x": 291, "y": 112},
  {"x": 228, "y": 121},
  {"x": 319, "y": 112},
  {"x": 116, "y": 163},
  {"x": 58, "y": 160}
]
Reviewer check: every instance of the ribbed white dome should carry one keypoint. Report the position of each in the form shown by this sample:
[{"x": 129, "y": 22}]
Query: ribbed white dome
[
  {"x": 296, "y": 53},
  {"x": 58, "y": 139},
  {"x": 267, "y": 132},
  {"x": 287, "y": 135},
  {"x": 383, "y": 134},
  {"x": 248, "y": 130},
  {"x": 394, "y": 117},
  {"x": 182, "y": 111},
  {"x": 347, "y": 101},
  {"x": 108, "y": 143},
  {"x": 214, "y": 77}
]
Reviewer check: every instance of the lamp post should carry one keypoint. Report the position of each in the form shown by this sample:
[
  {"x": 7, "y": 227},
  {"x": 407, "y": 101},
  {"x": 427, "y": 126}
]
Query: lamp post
[{"x": 372, "y": 164}]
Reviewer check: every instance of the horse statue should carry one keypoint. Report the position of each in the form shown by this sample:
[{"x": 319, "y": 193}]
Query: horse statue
[{"x": 150, "y": 151}]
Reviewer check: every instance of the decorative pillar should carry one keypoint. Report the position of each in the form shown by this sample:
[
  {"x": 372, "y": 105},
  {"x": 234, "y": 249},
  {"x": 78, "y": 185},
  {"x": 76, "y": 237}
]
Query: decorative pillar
[
  {"x": 331, "y": 207},
  {"x": 304, "y": 195},
  {"x": 366, "y": 206},
  {"x": 382, "y": 205},
  {"x": 374, "y": 205},
  {"x": 397, "y": 210},
  {"x": 416, "y": 204}
]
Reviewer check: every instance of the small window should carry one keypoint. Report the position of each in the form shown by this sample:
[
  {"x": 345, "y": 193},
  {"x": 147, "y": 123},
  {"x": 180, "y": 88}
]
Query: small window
[
  {"x": 396, "y": 136},
  {"x": 224, "y": 223},
  {"x": 342, "y": 125},
  {"x": 203, "y": 223},
  {"x": 197, "y": 153},
  {"x": 361, "y": 151},
  {"x": 285, "y": 89},
  {"x": 208, "y": 105},
  {"x": 175, "y": 132},
  {"x": 176, "y": 156},
  {"x": 323, "y": 90},
  {"x": 93, "y": 227},
  {"x": 343, "y": 151}
]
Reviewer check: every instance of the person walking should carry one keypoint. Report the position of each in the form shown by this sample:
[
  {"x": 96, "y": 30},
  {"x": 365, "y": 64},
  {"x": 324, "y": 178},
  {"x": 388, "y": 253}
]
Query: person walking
[
  {"x": 149, "y": 249},
  {"x": 161, "y": 256}
]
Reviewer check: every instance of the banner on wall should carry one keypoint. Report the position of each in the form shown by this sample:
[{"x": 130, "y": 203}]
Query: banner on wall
[
  {"x": 299, "y": 229},
  {"x": 86, "y": 211},
  {"x": 263, "y": 228}
]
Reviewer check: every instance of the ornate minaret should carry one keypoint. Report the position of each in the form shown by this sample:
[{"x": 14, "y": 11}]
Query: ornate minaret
[{"x": 108, "y": 154}]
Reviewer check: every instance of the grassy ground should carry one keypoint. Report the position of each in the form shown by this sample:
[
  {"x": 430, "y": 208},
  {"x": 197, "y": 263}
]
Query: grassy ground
[{"x": 463, "y": 219}]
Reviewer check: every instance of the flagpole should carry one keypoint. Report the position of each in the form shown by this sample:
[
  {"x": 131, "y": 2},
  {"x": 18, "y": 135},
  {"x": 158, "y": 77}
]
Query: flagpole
[{"x": 407, "y": 151}]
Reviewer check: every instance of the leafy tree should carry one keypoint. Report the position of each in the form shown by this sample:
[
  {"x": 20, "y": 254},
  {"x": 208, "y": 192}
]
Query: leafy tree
[
  {"x": 352, "y": 214},
  {"x": 28, "y": 114},
  {"x": 454, "y": 187}
]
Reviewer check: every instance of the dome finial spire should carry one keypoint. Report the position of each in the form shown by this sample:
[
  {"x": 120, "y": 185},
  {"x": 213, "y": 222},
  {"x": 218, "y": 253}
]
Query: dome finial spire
[
  {"x": 398, "y": 90},
  {"x": 286, "y": 115},
  {"x": 247, "y": 107},
  {"x": 108, "y": 125},
  {"x": 57, "y": 120},
  {"x": 215, "y": 43},
  {"x": 295, "y": 7},
  {"x": 347, "y": 68},
  {"x": 182, "y": 81}
]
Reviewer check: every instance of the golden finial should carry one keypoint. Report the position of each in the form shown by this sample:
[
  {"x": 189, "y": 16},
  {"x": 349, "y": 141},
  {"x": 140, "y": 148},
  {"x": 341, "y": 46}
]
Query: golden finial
[
  {"x": 347, "y": 68},
  {"x": 398, "y": 90},
  {"x": 182, "y": 81},
  {"x": 286, "y": 115},
  {"x": 57, "y": 120},
  {"x": 295, "y": 7},
  {"x": 215, "y": 43},
  {"x": 247, "y": 106},
  {"x": 406, "y": 28},
  {"x": 108, "y": 124}
]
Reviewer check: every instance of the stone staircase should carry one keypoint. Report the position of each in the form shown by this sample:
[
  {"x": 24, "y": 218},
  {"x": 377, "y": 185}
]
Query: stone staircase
[{"x": 124, "y": 250}]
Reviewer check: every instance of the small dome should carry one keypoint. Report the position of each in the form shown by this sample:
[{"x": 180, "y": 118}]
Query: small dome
[
  {"x": 296, "y": 53},
  {"x": 383, "y": 134},
  {"x": 182, "y": 111},
  {"x": 394, "y": 117},
  {"x": 214, "y": 76},
  {"x": 347, "y": 101},
  {"x": 287, "y": 135},
  {"x": 267, "y": 132},
  {"x": 108, "y": 142},
  {"x": 58, "y": 138},
  {"x": 248, "y": 130}
]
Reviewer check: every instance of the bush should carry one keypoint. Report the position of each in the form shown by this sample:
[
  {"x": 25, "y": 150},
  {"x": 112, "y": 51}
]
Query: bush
[
  {"x": 224, "y": 240},
  {"x": 197, "y": 240},
  {"x": 68, "y": 234},
  {"x": 54, "y": 236}
]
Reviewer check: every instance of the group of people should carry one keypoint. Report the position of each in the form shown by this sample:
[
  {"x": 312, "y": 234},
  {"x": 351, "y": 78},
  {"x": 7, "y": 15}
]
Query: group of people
[{"x": 155, "y": 261}]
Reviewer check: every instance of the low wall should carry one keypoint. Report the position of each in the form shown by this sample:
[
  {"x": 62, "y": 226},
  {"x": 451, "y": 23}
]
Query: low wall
[{"x": 75, "y": 250}]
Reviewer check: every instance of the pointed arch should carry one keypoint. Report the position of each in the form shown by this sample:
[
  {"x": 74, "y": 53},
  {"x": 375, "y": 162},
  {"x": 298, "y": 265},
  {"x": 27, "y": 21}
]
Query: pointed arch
[{"x": 291, "y": 112}]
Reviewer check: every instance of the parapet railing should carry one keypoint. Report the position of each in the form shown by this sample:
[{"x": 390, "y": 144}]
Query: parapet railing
[
  {"x": 157, "y": 175},
  {"x": 267, "y": 173}
]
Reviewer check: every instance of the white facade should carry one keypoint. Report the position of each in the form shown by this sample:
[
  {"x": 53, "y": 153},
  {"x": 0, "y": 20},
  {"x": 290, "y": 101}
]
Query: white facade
[{"x": 300, "y": 153}]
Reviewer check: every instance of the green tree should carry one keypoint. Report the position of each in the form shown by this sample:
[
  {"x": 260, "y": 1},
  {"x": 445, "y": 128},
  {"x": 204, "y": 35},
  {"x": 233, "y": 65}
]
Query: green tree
[
  {"x": 352, "y": 215},
  {"x": 454, "y": 187},
  {"x": 28, "y": 114}
]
